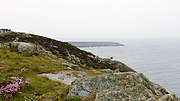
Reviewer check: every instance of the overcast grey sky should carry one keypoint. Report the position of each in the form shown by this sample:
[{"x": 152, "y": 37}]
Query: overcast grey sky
[{"x": 93, "y": 19}]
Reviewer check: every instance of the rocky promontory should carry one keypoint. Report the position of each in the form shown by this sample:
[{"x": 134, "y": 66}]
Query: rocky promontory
[
  {"x": 63, "y": 50},
  {"x": 37, "y": 68}
]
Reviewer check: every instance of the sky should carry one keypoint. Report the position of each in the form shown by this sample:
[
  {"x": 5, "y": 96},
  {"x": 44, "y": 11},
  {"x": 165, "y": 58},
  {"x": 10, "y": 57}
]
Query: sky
[{"x": 93, "y": 19}]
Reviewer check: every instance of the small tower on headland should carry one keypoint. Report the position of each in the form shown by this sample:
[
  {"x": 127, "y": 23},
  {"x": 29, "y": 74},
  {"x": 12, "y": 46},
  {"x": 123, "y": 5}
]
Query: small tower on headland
[{"x": 5, "y": 31}]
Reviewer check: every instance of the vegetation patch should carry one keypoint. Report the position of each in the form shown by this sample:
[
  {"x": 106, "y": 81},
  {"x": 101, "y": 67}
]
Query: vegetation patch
[{"x": 27, "y": 68}]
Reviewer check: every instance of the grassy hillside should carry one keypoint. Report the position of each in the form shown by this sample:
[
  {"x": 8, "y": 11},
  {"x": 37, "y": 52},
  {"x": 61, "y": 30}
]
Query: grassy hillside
[{"x": 27, "y": 67}]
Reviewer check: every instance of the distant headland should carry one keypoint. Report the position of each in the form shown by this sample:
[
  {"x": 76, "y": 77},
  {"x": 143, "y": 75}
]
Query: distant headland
[{"x": 95, "y": 44}]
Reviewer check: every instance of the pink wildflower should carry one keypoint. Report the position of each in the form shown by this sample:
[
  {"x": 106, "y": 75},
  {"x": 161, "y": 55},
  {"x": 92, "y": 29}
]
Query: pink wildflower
[{"x": 11, "y": 88}]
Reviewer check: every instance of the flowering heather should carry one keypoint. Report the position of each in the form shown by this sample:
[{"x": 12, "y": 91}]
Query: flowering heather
[
  {"x": 10, "y": 88},
  {"x": 16, "y": 79}
]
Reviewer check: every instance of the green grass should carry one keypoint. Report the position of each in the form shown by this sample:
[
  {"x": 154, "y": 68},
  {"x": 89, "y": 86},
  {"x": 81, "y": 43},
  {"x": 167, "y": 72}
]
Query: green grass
[
  {"x": 94, "y": 72},
  {"x": 28, "y": 67},
  {"x": 13, "y": 62},
  {"x": 40, "y": 87}
]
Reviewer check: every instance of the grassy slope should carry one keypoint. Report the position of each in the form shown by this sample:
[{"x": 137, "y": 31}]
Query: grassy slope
[{"x": 40, "y": 87}]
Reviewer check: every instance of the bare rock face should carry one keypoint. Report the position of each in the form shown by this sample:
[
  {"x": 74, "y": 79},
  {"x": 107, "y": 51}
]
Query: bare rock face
[
  {"x": 127, "y": 86},
  {"x": 66, "y": 77}
]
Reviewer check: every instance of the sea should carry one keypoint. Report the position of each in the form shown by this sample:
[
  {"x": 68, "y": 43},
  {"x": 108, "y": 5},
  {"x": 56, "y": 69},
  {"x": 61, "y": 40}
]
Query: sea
[{"x": 159, "y": 60}]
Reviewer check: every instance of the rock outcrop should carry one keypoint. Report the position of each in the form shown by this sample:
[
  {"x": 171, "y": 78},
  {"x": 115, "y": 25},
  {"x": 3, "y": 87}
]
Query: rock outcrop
[
  {"x": 127, "y": 86},
  {"x": 66, "y": 77},
  {"x": 22, "y": 47}
]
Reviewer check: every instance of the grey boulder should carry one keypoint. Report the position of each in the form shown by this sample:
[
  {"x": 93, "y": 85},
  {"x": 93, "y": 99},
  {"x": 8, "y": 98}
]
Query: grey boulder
[{"x": 126, "y": 86}]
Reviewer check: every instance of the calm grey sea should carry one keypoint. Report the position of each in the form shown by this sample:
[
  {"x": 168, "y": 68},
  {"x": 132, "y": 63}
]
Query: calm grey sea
[{"x": 159, "y": 60}]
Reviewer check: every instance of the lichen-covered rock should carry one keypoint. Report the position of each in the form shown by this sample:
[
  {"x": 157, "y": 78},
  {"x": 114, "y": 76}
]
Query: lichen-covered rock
[
  {"x": 22, "y": 47},
  {"x": 127, "y": 86},
  {"x": 4, "y": 45},
  {"x": 168, "y": 97}
]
